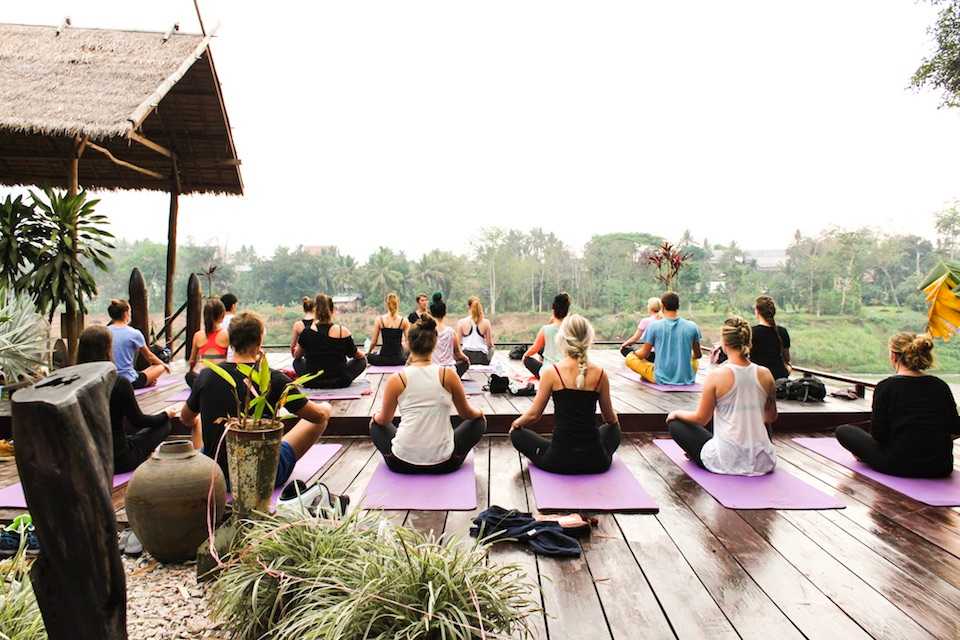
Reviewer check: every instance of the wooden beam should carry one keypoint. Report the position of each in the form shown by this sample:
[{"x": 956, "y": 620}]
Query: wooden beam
[
  {"x": 150, "y": 144},
  {"x": 124, "y": 163},
  {"x": 172, "y": 251}
]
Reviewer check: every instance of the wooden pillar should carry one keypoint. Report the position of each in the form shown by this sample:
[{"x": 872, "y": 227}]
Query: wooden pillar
[
  {"x": 194, "y": 311},
  {"x": 171, "y": 264},
  {"x": 65, "y": 460},
  {"x": 72, "y": 321}
]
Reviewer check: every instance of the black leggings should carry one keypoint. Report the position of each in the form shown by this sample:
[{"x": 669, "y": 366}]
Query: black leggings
[
  {"x": 544, "y": 456},
  {"x": 466, "y": 435},
  {"x": 866, "y": 449},
  {"x": 625, "y": 351},
  {"x": 690, "y": 437},
  {"x": 533, "y": 365},
  {"x": 478, "y": 357},
  {"x": 353, "y": 368},
  {"x": 381, "y": 360},
  {"x": 461, "y": 367},
  {"x": 140, "y": 446}
]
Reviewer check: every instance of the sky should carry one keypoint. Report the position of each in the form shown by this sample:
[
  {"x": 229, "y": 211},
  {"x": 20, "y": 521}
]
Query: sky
[{"x": 415, "y": 124}]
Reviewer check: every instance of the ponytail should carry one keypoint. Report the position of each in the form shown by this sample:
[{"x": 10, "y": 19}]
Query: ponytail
[
  {"x": 308, "y": 304},
  {"x": 323, "y": 308},
  {"x": 392, "y": 302},
  {"x": 213, "y": 312},
  {"x": 476, "y": 309}
]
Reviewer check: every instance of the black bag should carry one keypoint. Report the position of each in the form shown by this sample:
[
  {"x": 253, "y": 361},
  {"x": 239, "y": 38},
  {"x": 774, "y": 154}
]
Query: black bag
[
  {"x": 517, "y": 352},
  {"x": 526, "y": 390},
  {"x": 498, "y": 384},
  {"x": 806, "y": 389},
  {"x": 163, "y": 353}
]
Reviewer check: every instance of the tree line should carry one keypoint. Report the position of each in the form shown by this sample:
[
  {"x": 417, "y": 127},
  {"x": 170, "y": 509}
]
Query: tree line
[{"x": 836, "y": 271}]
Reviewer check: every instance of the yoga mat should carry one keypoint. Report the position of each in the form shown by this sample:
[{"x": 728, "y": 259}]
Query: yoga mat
[
  {"x": 669, "y": 388},
  {"x": 306, "y": 468},
  {"x": 941, "y": 492},
  {"x": 615, "y": 490},
  {"x": 777, "y": 490},
  {"x": 456, "y": 491},
  {"x": 162, "y": 381},
  {"x": 12, "y": 497},
  {"x": 382, "y": 369},
  {"x": 355, "y": 391},
  {"x": 180, "y": 396},
  {"x": 472, "y": 387}
]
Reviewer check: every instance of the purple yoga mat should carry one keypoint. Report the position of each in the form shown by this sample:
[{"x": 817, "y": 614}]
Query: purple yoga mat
[
  {"x": 355, "y": 391},
  {"x": 380, "y": 369},
  {"x": 12, "y": 497},
  {"x": 162, "y": 381},
  {"x": 615, "y": 490},
  {"x": 777, "y": 490},
  {"x": 456, "y": 491},
  {"x": 668, "y": 388},
  {"x": 180, "y": 396},
  {"x": 942, "y": 492},
  {"x": 307, "y": 466}
]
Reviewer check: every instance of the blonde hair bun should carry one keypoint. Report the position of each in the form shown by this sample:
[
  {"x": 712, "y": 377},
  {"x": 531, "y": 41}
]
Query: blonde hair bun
[
  {"x": 915, "y": 351},
  {"x": 736, "y": 334}
]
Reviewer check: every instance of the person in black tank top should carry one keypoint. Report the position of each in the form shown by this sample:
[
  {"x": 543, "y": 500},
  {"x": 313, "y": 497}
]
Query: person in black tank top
[
  {"x": 392, "y": 327},
  {"x": 578, "y": 445},
  {"x": 336, "y": 356}
]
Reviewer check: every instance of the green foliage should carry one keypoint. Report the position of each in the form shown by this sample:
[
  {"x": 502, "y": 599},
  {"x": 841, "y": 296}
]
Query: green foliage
[
  {"x": 74, "y": 236},
  {"x": 347, "y": 578},
  {"x": 21, "y": 238},
  {"x": 24, "y": 338},
  {"x": 941, "y": 70},
  {"x": 20, "y": 617},
  {"x": 257, "y": 380}
]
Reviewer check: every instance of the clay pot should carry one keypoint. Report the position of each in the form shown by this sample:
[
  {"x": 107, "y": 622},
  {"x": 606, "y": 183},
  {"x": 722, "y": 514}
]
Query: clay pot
[
  {"x": 167, "y": 500},
  {"x": 252, "y": 458}
]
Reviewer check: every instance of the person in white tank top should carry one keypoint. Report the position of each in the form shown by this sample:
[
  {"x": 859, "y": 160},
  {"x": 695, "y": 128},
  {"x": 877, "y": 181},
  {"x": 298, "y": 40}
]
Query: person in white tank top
[
  {"x": 425, "y": 440},
  {"x": 476, "y": 333},
  {"x": 447, "y": 352},
  {"x": 741, "y": 399}
]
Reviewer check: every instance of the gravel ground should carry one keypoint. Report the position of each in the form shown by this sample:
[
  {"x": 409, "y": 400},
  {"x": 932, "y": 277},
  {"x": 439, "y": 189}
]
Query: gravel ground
[{"x": 165, "y": 602}]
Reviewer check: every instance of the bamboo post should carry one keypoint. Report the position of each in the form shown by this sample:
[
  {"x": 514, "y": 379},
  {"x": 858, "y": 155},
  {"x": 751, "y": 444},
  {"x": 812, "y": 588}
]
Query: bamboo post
[
  {"x": 65, "y": 460},
  {"x": 72, "y": 312},
  {"x": 194, "y": 311},
  {"x": 171, "y": 254}
]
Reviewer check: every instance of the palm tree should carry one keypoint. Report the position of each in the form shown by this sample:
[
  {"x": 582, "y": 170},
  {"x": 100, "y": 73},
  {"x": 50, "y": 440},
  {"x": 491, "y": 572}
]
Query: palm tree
[
  {"x": 383, "y": 273},
  {"x": 433, "y": 270}
]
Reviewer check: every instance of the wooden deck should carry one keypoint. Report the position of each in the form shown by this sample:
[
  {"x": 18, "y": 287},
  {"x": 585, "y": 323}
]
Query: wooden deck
[{"x": 640, "y": 408}]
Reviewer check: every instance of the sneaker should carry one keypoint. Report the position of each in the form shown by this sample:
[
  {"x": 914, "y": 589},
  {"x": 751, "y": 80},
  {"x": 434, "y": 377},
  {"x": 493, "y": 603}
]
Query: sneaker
[
  {"x": 10, "y": 542},
  {"x": 296, "y": 498},
  {"x": 130, "y": 544},
  {"x": 327, "y": 504}
]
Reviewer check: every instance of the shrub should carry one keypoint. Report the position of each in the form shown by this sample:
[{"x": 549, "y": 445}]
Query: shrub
[{"x": 350, "y": 578}]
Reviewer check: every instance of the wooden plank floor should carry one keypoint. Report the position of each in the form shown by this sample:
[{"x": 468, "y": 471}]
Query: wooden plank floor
[
  {"x": 883, "y": 567},
  {"x": 640, "y": 408}
]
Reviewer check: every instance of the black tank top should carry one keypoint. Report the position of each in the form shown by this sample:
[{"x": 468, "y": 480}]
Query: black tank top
[
  {"x": 323, "y": 353},
  {"x": 575, "y": 418},
  {"x": 392, "y": 340}
]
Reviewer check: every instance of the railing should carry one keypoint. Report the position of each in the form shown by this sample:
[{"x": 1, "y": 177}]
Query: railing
[
  {"x": 859, "y": 386},
  {"x": 178, "y": 340}
]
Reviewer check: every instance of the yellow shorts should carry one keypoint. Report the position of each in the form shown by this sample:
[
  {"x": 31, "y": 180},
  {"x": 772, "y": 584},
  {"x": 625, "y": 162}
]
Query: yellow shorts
[{"x": 646, "y": 368}]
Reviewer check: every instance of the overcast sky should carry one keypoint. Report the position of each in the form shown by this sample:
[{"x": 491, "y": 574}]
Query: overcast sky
[{"x": 414, "y": 124}]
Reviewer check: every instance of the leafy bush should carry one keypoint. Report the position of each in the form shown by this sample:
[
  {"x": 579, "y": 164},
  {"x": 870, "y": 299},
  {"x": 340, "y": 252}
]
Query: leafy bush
[
  {"x": 350, "y": 578},
  {"x": 24, "y": 338},
  {"x": 20, "y": 617}
]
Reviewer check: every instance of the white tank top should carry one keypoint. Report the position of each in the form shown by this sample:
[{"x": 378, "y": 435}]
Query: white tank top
[
  {"x": 551, "y": 354},
  {"x": 425, "y": 435},
  {"x": 740, "y": 444},
  {"x": 443, "y": 352},
  {"x": 473, "y": 341}
]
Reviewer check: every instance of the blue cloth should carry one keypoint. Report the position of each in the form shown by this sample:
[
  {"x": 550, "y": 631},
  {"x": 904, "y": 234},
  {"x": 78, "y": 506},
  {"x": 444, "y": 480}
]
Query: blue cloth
[
  {"x": 126, "y": 342},
  {"x": 673, "y": 340},
  {"x": 288, "y": 460}
]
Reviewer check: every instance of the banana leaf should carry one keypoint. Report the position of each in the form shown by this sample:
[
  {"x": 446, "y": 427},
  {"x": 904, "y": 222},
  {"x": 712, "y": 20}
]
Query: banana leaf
[{"x": 943, "y": 315}]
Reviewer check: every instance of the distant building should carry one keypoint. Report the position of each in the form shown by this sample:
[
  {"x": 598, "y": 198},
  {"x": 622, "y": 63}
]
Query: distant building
[
  {"x": 766, "y": 259},
  {"x": 348, "y": 302},
  {"x": 319, "y": 249}
]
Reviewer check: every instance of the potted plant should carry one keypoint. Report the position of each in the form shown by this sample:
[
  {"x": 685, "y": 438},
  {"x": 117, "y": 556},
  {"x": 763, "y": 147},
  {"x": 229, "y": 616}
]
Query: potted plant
[
  {"x": 254, "y": 435},
  {"x": 24, "y": 340},
  {"x": 73, "y": 234}
]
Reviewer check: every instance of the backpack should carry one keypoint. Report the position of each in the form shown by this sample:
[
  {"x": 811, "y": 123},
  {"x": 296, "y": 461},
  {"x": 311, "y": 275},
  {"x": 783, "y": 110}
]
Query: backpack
[
  {"x": 517, "y": 352},
  {"x": 806, "y": 389},
  {"x": 498, "y": 384}
]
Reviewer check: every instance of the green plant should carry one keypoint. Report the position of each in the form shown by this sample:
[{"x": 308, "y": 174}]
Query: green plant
[
  {"x": 24, "y": 338},
  {"x": 668, "y": 263},
  {"x": 351, "y": 578},
  {"x": 73, "y": 232},
  {"x": 254, "y": 413},
  {"x": 20, "y": 617},
  {"x": 20, "y": 241}
]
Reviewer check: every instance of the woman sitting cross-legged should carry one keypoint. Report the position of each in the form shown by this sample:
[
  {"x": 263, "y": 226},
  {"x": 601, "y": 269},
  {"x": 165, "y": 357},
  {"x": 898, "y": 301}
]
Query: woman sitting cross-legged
[
  {"x": 447, "y": 353},
  {"x": 424, "y": 441},
  {"x": 914, "y": 418},
  {"x": 741, "y": 398},
  {"x": 146, "y": 432},
  {"x": 576, "y": 386},
  {"x": 308, "y": 316},
  {"x": 476, "y": 333},
  {"x": 392, "y": 326},
  {"x": 327, "y": 347},
  {"x": 653, "y": 314},
  {"x": 545, "y": 344},
  {"x": 213, "y": 342}
]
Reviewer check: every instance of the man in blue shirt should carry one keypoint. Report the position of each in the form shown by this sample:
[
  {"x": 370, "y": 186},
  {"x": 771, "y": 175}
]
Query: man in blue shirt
[
  {"x": 677, "y": 343},
  {"x": 127, "y": 343}
]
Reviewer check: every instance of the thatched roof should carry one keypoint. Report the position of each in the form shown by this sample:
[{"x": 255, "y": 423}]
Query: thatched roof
[{"x": 110, "y": 87}]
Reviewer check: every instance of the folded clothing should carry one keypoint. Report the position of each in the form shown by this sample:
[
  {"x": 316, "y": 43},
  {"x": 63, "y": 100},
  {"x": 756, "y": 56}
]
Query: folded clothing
[{"x": 544, "y": 537}]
